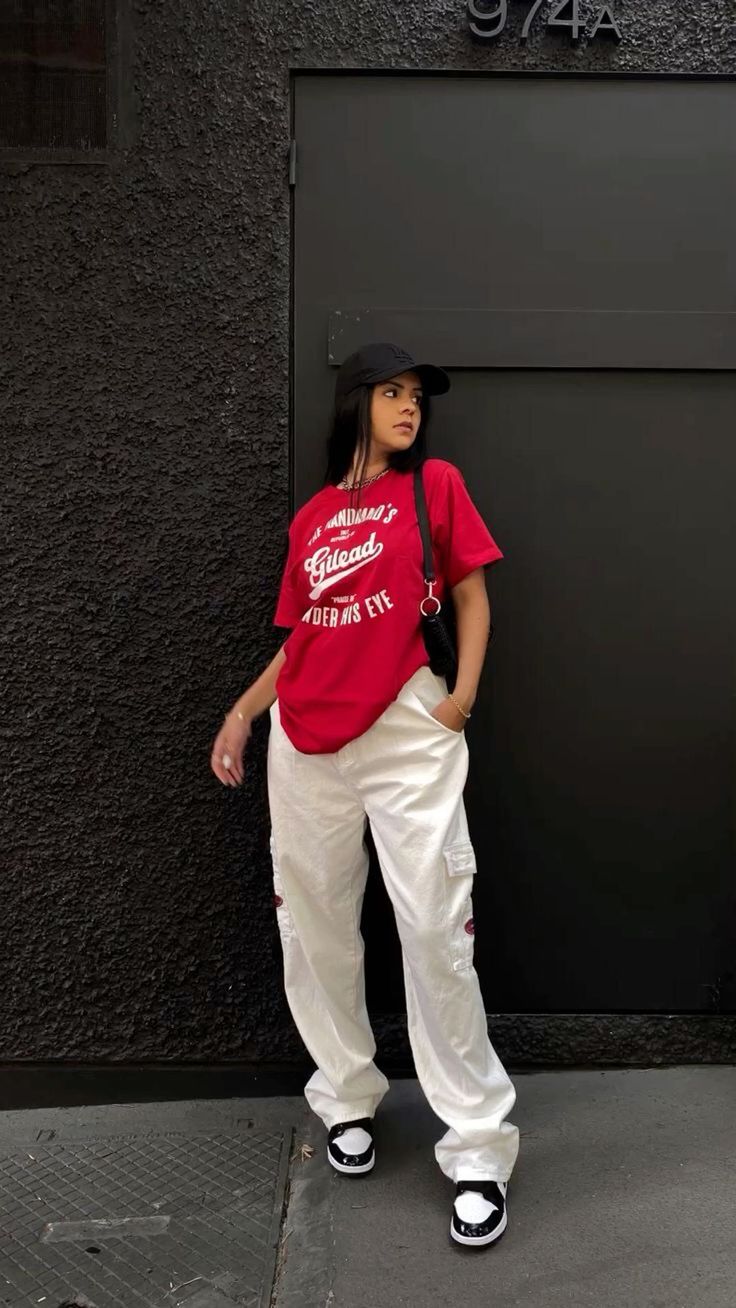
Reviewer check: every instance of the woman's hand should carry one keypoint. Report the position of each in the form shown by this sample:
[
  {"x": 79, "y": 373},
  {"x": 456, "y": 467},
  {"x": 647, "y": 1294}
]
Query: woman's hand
[
  {"x": 227, "y": 752},
  {"x": 449, "y": 715}
]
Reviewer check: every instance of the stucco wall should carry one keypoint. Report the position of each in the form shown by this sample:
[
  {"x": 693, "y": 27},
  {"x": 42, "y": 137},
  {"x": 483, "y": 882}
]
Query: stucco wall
[{"x": 145, "y": 440}]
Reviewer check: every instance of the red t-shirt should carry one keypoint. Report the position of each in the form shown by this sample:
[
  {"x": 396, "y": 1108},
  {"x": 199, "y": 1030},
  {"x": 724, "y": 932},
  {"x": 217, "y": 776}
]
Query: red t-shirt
[{"x": 351, "y": 589}]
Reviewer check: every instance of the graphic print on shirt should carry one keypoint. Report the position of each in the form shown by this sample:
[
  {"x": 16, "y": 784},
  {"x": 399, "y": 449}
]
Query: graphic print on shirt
[
  {"x": 336, "y": 561},
  {"x": 326, "y": 566},
  {"x": 334, "y": 684}
]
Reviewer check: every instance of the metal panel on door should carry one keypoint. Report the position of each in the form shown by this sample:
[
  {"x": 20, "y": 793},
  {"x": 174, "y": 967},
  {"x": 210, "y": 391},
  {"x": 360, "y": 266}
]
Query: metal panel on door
[{"x": 565, "y": 247}]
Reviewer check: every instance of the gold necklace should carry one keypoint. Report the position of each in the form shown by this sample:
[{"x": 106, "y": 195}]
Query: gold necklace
[{"x": 345, "y": 485}]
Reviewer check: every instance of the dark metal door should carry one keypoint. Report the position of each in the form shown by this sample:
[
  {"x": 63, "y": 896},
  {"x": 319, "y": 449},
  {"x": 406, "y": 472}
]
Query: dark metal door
[{"x": 566, "y": 246}]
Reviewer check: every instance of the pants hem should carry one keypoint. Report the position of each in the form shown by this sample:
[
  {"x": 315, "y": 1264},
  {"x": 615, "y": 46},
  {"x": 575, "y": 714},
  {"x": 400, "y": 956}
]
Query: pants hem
[
  {"x": 478, "y": 1174},
  {"x": 351, "y": 1114}
]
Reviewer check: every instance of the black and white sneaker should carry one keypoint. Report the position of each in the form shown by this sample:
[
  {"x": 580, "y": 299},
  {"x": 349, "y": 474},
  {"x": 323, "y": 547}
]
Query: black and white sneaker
[
  {"x": 479, "y": 1213},
  {"x": 350, "y": 1146}
]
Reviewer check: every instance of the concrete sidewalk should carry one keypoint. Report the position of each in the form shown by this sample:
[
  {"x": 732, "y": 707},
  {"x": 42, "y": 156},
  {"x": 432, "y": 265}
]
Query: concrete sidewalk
[{"x": 624, "y": 1194}]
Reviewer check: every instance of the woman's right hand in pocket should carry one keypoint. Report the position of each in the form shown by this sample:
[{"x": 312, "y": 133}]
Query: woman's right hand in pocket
[{"x": 227, "y": 751}]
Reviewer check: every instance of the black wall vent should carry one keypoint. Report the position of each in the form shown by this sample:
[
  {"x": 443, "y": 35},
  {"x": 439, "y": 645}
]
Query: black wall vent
[{"x": 53, "y": 75}]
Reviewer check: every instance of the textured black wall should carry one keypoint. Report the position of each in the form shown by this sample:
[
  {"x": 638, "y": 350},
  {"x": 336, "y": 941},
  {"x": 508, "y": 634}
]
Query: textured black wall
[{"x": 145, "y": 441}]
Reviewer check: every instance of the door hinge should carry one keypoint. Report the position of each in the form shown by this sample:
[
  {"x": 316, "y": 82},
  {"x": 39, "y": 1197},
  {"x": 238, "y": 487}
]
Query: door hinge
[{"x": 292, "y": 164}]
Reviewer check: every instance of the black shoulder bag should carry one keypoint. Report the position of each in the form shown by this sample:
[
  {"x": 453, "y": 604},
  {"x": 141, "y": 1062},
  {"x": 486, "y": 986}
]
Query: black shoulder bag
[{"x": 438, "y": 623}]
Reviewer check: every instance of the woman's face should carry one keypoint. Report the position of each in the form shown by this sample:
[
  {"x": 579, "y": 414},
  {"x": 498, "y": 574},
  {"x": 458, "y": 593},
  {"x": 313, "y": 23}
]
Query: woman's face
[{"x": 395, "y": 412}]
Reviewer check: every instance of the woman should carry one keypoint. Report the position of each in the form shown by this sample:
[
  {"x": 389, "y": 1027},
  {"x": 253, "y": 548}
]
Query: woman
[{"x": 362, "y": 729}]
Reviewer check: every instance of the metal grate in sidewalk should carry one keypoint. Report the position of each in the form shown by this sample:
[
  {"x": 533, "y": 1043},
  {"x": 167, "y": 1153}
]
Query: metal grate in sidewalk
[{"x": 134, "y": 1221}]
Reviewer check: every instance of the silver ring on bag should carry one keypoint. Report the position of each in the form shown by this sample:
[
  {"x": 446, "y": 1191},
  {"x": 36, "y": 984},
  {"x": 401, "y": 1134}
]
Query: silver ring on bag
[{"x": 430, "y": 596}]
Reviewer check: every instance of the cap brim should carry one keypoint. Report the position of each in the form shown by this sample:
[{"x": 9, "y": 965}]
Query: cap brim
[{"x": 435, "y": 381}]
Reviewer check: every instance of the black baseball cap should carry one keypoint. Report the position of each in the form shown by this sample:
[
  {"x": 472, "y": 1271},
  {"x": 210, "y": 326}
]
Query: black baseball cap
[{"x": 378, "y": 361}]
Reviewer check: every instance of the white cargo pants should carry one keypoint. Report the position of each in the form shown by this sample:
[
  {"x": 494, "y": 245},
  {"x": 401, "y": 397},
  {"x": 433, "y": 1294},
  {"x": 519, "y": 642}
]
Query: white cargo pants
[{"x": 406, "y": 774}]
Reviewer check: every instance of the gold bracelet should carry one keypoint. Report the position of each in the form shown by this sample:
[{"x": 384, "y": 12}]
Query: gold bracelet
[{"x": 459, "y": 706}]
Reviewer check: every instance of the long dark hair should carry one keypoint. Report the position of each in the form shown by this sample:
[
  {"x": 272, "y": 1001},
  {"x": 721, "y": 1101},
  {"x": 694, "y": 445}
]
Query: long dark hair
[{"x": 350, "y": 436}]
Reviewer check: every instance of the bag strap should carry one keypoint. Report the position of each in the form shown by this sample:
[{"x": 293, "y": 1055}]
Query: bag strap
[{"x": 423, "y": 519}]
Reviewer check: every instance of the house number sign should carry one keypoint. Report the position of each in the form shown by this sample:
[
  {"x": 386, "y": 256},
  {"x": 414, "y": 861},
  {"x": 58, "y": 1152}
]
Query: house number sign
[{"x": 488, "y": 20}]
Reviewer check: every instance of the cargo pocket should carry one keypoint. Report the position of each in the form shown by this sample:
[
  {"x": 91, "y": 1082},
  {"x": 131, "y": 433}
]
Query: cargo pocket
[
  {"x": 460, "y": 858},
  {"x": 460, "y": 864},
  {"x": 283, "y": 916}
]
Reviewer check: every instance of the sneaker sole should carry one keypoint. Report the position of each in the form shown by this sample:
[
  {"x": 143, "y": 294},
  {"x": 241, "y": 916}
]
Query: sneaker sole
[
  {"x": 351, "y": 1171},
  {"x": 483, "y": 1240}
]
